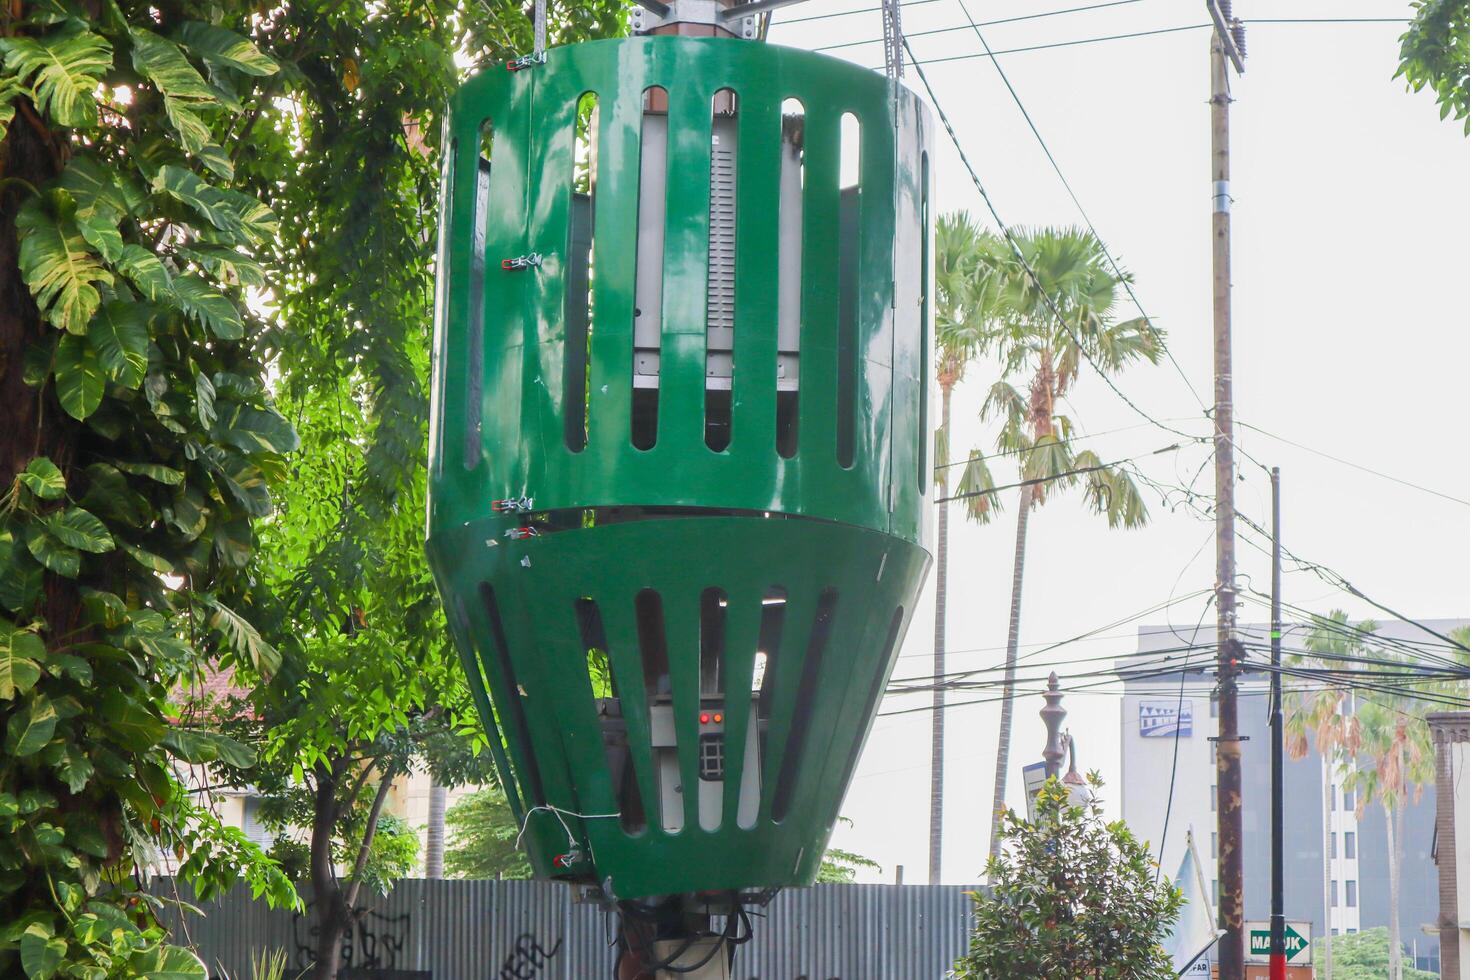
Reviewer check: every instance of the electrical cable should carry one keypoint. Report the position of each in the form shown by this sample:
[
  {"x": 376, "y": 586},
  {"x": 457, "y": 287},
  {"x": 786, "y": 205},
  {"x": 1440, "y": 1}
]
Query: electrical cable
[
  {"x": 1350, "y": 463},
  {"x": 1036, "y": 481},
  {"x": 1174, "y": 766},
  {"x": 965, "y": 27},
  {"x": 1122, "y": 278},
  {"x": 1020, "y": 255}
]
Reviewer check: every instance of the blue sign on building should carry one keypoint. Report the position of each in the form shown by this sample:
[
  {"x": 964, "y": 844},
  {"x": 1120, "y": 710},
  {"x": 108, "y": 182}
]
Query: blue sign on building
[{"x": 1166, "y": 719}]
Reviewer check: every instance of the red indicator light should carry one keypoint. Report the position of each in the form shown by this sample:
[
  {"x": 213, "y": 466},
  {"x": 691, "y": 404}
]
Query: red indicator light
[
  {"x": 719, "y": 719},
  {"x": 704, "y": 718}
]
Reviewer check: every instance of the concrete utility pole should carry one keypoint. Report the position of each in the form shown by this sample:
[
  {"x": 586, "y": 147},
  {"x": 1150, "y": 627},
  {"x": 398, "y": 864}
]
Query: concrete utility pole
[
  {"x": 1278, "y": 725},
  {"x": 1227, "y": 41}
]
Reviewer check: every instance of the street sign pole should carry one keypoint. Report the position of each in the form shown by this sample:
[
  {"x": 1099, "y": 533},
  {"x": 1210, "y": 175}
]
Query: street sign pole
[{"x": 1278, "y": 901}]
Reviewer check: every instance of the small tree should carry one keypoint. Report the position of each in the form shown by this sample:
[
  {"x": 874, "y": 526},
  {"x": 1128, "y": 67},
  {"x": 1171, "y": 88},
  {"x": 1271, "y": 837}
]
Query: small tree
[
  {"x": 482, "y": 842},
  {"x": 1071, "y": 896}
]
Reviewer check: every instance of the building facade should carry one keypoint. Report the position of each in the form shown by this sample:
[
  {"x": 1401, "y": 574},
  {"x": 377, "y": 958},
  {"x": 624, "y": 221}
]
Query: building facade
[{"x": 1337, "y": 881}]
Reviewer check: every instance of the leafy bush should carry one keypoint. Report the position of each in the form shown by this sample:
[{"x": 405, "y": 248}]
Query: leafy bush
[{"x": 1071, "y": 896}]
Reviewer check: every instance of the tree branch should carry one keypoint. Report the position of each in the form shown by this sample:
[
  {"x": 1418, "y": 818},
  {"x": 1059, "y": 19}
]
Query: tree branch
[{"x": 367, "y": 840}]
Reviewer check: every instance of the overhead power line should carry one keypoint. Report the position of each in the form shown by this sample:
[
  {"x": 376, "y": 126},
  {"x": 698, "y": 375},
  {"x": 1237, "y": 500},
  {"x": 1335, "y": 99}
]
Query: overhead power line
[
  {"x": 1037, "y": 481},
  {"x": 966, "y": 27},
  {"x": 1357, "y": 466},
  {"x": 1021, "y": 256},
  {"x": 1057, "y": 168},
  {"x": 1136, "y": 34}
]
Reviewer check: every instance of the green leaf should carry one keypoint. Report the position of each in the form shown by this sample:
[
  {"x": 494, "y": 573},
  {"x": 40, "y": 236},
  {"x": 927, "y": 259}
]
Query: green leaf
[
  {"x": 80, "y": 529},
  {"x": 209, "y": 306},
  {"x": 99, "y": 230},
  {"x": 231, "y": 212},
  {"x": 136, "y": 727},
  {"x": 19, "y": 651},
  {"x": 204, "y": 397},
  {"x": 9, "y": 89},
  {"x": 145, "y": 271},
  {"x": 54, "y": 260},
  {"x": 56, "y": 556},
  {"x": 42, "y": 478},
  {"x": 99, "y": 189},
  {"x": 167, "y": 963},
  {"x": 104, "y": 608},
  {"x": 154, "y": 471},
  {"x": 255, "y": 430},
  {"x": 148, "y": 559},
  {"x": 20, "y": 577},
  {"x": 80, "y": 380},
  {"x": 221, "y": 47},
  {"x": 197, "y": 747},
  {"x": 119, "y": 333},
  {"x": 75, "y": 769},
  {"x": 31, "y": 727},
  {"x": 64, "y": 68},
  {"x": 41, "y": 953},
  {"x": 161, "y": 61},
  {"x": 226, "y": 263},
  {"x": 243, "y": 638}
]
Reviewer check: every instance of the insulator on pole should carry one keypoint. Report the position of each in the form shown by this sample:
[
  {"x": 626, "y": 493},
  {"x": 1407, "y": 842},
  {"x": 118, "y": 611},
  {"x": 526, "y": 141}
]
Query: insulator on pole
[
  {"x": 1237, "y": 34},
  {"x": 540, "y": 26}
]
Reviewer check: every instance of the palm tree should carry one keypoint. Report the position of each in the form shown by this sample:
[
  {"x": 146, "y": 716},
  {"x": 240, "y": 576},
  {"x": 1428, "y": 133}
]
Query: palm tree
[
  {"x": 1056, "y": 309},
  {"x": 1320, "y": 711},
  {"x": 965, "y": 292},
  {"x": 1383, "y": 743}
]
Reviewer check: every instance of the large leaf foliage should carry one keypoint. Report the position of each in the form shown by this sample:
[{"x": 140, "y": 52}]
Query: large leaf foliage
[
  {"x": 126, "y": 493},
  {"x": 340, "y": 588}
]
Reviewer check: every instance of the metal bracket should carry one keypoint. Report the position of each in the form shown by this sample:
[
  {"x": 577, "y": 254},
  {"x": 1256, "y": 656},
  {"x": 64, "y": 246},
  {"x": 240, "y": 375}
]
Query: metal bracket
[
  {"x": 522, "y": 533},
  {"x": 532, "y": 261},
  {"x": 648, "y": 15},
  {"x": 513, "y": 505},
  {"x": 526, "y": 61}
]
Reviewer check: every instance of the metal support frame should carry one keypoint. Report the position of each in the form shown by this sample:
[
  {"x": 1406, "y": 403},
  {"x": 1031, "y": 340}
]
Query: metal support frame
[
  {"x": 892, "y": 39},
  {"x": 739, "y": 19}
]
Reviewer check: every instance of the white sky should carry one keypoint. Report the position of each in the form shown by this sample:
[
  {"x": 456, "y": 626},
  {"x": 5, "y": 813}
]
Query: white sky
[{"x": 1351, "y": 209}]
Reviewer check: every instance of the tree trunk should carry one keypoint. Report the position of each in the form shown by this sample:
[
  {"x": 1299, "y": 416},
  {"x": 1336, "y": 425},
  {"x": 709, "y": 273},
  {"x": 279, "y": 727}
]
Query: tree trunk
[
  {"x": 1003, "y": 742},
  {"x": 333, "y": 905},
  {"x": 941, "y": 579},
  {"x": 434, "y": 845},
  {"x": 1393, "y": 827},
  {"x": 1326, "y": 869}
]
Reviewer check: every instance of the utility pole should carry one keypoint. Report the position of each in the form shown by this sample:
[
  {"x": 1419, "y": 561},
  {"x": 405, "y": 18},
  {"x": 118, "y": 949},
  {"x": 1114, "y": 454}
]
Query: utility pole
[
  {"x": 1227, "y": 42},
  {"x": 1278, "y": 887}
]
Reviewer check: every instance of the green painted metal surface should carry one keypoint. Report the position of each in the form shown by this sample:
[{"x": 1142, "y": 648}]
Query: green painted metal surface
[{"x": 834, "y": 554}]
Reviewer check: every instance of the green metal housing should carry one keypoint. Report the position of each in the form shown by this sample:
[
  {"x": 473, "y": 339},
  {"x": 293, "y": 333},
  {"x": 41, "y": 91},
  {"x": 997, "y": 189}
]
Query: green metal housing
[{"x": 679, "y": 562}]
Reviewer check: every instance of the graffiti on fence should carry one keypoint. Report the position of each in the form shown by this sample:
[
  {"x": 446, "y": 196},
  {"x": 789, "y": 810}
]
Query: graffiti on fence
[
  {"x": 527, "y": 958},
  {"x": 372, "y": 941}
]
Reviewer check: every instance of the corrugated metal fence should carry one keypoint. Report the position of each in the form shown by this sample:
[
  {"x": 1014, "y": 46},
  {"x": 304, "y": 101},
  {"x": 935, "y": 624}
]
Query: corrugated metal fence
[{"x": 527, "y": 930}]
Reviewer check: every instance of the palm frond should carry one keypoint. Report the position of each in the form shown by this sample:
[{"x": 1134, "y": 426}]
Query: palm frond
[{"x": 983, "y": 503}]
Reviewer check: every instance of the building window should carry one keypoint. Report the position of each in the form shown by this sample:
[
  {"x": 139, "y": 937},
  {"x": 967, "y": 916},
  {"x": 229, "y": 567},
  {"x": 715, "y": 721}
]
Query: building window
[
  {"x": 1352, "y": 894},
  {"x": 1213, "y": 797},
  {"x": 1214, "y": 705},
  {"x": 1334, "y": 796},
  {"x": 1334, "y": 930},
  {"x": 1215, "y": 891},
  {"x": 1214, "y": 845},
  {"x": 1349, "y": 799},
  {"x": 1332, "y": 850},
  {"x": 1349, "y": 844},
  {"x": 1334, "y": 893}
]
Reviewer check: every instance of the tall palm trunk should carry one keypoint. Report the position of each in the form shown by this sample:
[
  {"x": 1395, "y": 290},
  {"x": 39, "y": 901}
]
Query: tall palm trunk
[
  {"x": 434, "y": 845},
  {"x": 1003, "y": 742},
  {"x": 936, "y": 749},
  {"x": 1326, "y": 868},
  {"x": 1393, "y": 825}
]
